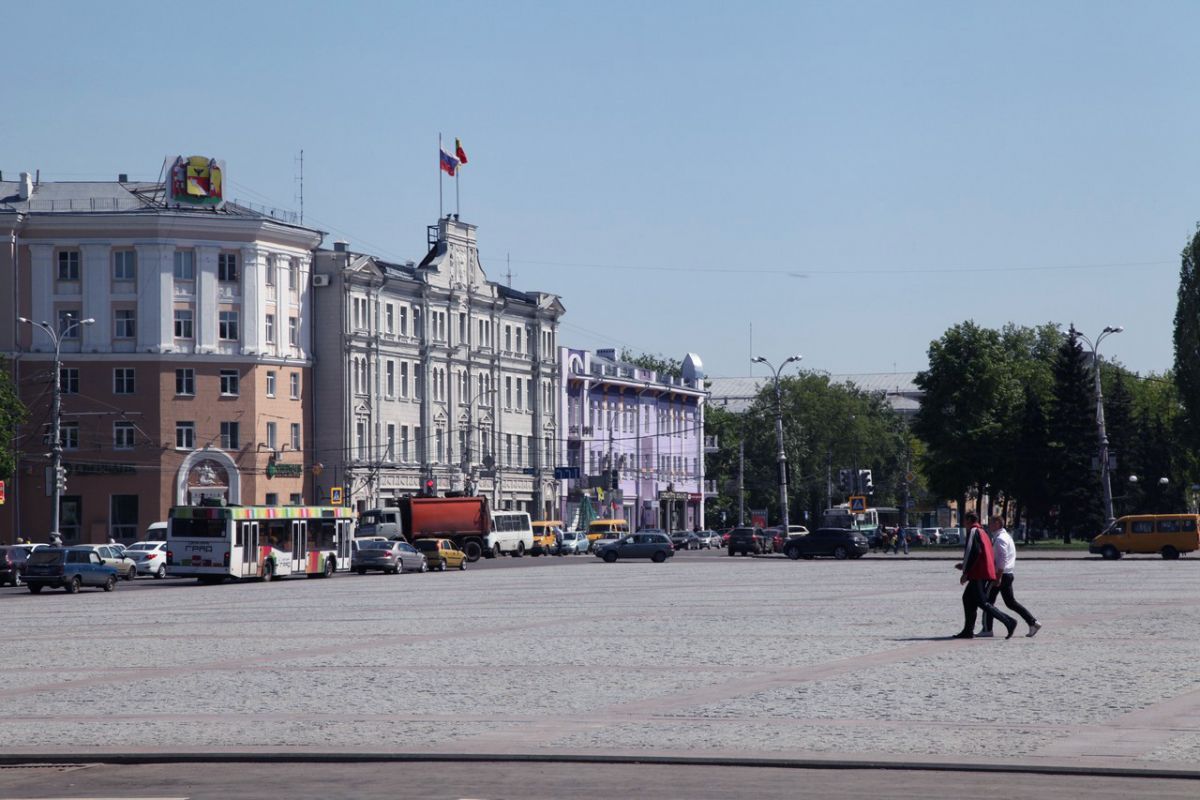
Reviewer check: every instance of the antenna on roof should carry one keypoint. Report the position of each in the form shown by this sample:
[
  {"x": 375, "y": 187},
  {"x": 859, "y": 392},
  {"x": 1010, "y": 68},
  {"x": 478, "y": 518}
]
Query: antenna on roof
[
  {"x": 300, "y": 179},
  {"x": 508, "y": 273}
]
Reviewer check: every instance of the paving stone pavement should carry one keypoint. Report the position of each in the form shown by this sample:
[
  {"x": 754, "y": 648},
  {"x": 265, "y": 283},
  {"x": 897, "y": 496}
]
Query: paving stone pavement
[{"x": 705, "y": 656}]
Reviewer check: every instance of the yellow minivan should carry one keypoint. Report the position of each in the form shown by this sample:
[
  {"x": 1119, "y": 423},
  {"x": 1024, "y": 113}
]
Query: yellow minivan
[
  {"x": 1166, "y": 534},
  {"x": 607, "y": 529},
  {"x": 545, "y": 542}
]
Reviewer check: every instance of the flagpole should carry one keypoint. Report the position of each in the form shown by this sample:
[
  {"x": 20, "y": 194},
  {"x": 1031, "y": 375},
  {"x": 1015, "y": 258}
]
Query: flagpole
[
  {"x": 456, "y": 174},
  {"x": 439, "y": 174}
]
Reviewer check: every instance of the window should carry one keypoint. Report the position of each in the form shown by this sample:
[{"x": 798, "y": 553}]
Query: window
[
  {"x": 123, "y": 435},
  {"x": 390, "y": 378},
  {"x": 508, "y": 391},
  {"x": 227, "y": 325},
  {"x": 185, "y": 265},
  {"x": 68, "y": 265},
  {"x": 389, "y": 315},
  {"x": 124, "y": 323},
  {"x": 271, "y": 438},
  {"x": 520, "y": 457},
  {"x": 508, "y": 451},
  {"x": 420, "y": 443},
  {"x": 69, "y": 434},
  {"x": 293, "y": 275},
  {"x": 294, "y": 385},
  {"x": 269, "y": 325},
  {"x": 518, "y": 339},
  {"x": 295, "y": 499},
  {"x": 441, "y": 445},
  {"x": 183, "y": 323},
  {"x": 185, "y": 436},
  {"x": 68, "y": 323},
  {"x": 227, "y": 267},
  {"x": 295, "y": 431},
  {"x": 272, "y": 499},
  {"x": 185, "y": 381},
  {"x": 123, "y": 380},
  {"x": 269, "y": 269},
  {"x": 230, "y": 383},
  {"x": 519, "y": 403},
  {"x": 404, "y": 379},
  {"x": 508, "y": 337},
  {"x": 230, "y": 440},
  {"x": 417, "y": 383},
  {"x": 360, "y": 439},
  {"x": 391, "y": 442},
  {"x": 271, "y": 384},
  {"x": 462, "y": 327},
  {"x": 293, "y": 331},
  {"x": 123, "y": 516},
  {"x": 404, "y": 443},
  {"x": 528, "y": 391},
  {"x": 68, "y": 380},
  {"x": 404, "y": 320},
  {"x": 124, "y": 265}
]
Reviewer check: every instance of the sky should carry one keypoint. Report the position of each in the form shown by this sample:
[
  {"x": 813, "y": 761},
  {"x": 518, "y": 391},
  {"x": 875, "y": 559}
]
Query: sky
[{"x": 838, "y": 180}]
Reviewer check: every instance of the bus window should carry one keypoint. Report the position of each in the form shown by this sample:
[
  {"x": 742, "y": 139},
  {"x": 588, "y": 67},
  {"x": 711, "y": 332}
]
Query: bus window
[
  {"x": 321, "y": 534},
  {"x": 198, "y": 528},
  {"x": 1141, "y": 526}
]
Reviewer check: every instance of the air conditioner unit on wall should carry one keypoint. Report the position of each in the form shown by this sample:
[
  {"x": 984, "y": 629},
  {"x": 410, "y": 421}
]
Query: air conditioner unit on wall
[{"x": 320, "y": 280}]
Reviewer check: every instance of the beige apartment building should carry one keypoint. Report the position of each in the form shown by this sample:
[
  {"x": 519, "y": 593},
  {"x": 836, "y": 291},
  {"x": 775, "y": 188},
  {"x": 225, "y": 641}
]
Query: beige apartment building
[{"x": 183, "y": 333}]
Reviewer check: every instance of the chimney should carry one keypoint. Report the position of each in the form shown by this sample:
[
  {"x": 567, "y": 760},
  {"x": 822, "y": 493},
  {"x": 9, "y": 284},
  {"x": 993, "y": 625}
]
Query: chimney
[
  {"x": 26, "y": 187},
  {"x": 122, "y": 178},
  {"x": 341, "y": 246}
]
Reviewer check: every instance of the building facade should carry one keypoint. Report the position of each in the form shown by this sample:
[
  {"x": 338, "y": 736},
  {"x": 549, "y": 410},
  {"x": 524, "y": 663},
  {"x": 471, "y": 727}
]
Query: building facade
[
  {"x": 645, "y": 426},
  {"x": 183, "y": 336},
  {"x": 431, "y": 372}
]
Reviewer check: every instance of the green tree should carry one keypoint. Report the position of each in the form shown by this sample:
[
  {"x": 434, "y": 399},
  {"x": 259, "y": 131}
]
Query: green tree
[
  {"x": 1073, "y": 443},
  {"x": 12, "y": 414},
  {"x": 1031, "y": 479},
  {"x": 658, "y": 362},
  {"x": 1187, "y": 344}
]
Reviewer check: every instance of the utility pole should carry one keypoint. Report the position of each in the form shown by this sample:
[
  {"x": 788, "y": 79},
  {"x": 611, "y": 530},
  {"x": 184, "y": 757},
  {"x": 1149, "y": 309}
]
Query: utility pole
[
  {"x": 741, "y": 484},
  {"x": 829, "y": 479}
]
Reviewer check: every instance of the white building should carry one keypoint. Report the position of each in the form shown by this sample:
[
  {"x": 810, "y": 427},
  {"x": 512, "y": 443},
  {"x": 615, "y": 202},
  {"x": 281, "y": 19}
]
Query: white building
[{"x": 432, "y": 372}]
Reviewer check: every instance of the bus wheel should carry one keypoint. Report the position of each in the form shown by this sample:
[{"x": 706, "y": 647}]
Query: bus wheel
[
  {"x": 496, "y": 550},
  {"x": 473, "y": 550},
  {"x": 520, "y": 549},
  {"x": 268, "y": 572},
  {"x": 1170, "y": 553},
  {"x": 329, "y": 567},
  {"x": 1111, "y": 553}
]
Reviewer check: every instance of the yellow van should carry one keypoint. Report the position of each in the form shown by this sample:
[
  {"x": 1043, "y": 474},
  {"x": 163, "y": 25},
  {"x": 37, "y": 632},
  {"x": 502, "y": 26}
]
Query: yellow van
[
  {"x": 607, "y": 529},
  {"x": 1167, "y": 534},
  {"x": 544, "y": 540}
]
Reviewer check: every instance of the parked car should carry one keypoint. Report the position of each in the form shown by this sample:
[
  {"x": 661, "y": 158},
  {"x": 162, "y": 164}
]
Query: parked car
[
  {"x": 441, "y": 554},
  {"x": 746, "y": 541},
  {"x": 114, "y": 556},
  {"x": 574, "y": 542},
  {"x": 69, "y": 568},
  {"x": 412, "y": 559},
  {"x": 383, "y": 555},
  {"x": 655, "y": 546},
  {"x": 837, "y": 542},
  {"x": 594, "y": 545},
  {"x": 149, "y": 558},
  {"x": 950, "y": 536},
  {"x": 917, "y": 537},
  {"x": 545, "y": 537},
  {"x": 12, "y": 563},
  {"x": 710, "y": 538},
  {"x": 686, "y": 540}
]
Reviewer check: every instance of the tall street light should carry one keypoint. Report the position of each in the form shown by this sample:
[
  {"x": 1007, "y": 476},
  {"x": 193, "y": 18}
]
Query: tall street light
[
  {"x": 1103, "y": 436},
  {"x": 56, "y": 411},
  {"x": 468, "y": 467},
  {"x": 783, "y": 498}
]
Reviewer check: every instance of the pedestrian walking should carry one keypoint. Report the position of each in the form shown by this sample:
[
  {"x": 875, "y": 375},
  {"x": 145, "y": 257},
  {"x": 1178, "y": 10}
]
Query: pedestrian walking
[
  {"x": 978, "y": 571},
  {"x": 901, "y": 541},
  {"x": 1006, "y": 561}
]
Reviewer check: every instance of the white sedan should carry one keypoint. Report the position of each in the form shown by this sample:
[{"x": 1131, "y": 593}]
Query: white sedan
[{"x": 150, "y": 558}]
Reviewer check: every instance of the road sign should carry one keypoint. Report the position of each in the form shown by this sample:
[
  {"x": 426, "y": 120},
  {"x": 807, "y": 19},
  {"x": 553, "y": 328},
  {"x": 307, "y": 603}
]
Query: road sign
[
  {"x": 858, "y": 503},
  {"x": 335, "y": 496},
  {"x": 566, "y": 473}
]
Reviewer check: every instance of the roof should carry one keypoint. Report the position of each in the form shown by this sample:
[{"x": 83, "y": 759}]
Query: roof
[{"x": 900, "y": 388}]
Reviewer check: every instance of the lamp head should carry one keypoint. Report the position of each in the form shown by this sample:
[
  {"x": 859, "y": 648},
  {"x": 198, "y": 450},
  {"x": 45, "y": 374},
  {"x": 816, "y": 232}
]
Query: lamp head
[
  {"x": 793, "y": 358},
  {"x": 25, "y": 320},
  {"x": 758, "y": 360},
  {"x": 88, "y": 321},
  {"x": 1114, "y": 328}
]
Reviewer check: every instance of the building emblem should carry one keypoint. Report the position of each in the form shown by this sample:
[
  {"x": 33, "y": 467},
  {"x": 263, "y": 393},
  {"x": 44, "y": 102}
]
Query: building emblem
[{"x": 197, "y": 180}]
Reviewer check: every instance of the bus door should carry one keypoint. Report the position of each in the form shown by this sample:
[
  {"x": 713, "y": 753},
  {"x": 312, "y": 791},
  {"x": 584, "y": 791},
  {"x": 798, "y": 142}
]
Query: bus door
[
  {"x": 299, "y": 545},
  {"x": 248, "y": 538},
  {"x": 344, "y": 535}
]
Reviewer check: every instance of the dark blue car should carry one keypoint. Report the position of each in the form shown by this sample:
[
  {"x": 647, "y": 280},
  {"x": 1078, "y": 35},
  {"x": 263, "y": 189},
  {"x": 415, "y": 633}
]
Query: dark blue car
[{"x": 68, "y": 568}]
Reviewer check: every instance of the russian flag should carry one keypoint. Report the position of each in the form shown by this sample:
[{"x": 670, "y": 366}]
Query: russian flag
[{"x": 449, "y": 163}]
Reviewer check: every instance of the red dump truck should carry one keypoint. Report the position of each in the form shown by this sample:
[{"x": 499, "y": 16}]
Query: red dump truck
[{"x": 465, "y": 521}]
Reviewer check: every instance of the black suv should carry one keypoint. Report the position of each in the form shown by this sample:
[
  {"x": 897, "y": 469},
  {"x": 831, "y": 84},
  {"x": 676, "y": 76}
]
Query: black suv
[
  {"x": 837, "y": 542},
  {"x": 747, "y": 541}
]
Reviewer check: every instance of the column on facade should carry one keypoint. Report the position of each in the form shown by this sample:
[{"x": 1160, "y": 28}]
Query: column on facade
[
  {"x": 41, "y": 289},
  {"x": 95, "y": 297},
  {"x": 305, "y": 295},
  {"x": 207, "y": 306},
  {"x": 252, "y": 305},
  {"x": 155, "y": 283}
]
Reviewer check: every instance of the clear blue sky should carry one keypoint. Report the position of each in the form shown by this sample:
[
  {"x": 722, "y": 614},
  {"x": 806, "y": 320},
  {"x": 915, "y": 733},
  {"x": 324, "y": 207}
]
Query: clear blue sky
[{"x": 849, "y": 177}]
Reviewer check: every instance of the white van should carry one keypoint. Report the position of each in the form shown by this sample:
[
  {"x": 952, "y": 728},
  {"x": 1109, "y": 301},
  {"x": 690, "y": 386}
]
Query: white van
[{"x": 512, "y": 533}]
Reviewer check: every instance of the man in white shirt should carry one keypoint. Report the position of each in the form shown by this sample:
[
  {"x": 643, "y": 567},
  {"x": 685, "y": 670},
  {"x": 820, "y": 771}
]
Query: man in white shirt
[{"x": 1006, "y": 561}]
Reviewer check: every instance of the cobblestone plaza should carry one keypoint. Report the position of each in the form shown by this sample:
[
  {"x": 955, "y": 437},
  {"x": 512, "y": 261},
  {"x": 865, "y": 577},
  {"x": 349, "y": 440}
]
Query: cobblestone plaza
[{"x": 705, "y": 656}]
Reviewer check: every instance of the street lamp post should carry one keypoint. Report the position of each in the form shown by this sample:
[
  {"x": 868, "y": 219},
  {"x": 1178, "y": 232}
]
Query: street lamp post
[
  {"x": 783, "y": 497},
  {"x": 1105, "y": 483},
  {"x": 468, "y": 468},
  {"x": 56, "y": 412}
]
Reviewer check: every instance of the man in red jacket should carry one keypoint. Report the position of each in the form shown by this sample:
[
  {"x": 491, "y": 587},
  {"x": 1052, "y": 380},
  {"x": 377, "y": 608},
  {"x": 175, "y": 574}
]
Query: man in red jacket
[{"x": 978, "y": 572}]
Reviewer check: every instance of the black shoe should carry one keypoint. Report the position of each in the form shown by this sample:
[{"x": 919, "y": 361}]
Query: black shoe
[
  {"x": 1012, "y": 627},
  {"x": 963, "y": 635}
]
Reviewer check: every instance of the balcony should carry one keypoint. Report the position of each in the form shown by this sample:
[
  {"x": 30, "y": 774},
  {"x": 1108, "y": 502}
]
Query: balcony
[
  {"x": 710, "y": 444},
  {"x": 710, "y": 489}
]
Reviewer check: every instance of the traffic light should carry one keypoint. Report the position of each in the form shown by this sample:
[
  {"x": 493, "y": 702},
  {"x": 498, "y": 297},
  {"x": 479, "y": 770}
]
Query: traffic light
[
  {"x": 430, "y": 488},
  {"x": 60, "y": 478},
  {"x": 614, "y": 479},
  {"x": 844, "y": 480},
  {"x": 868, "y": 486}
]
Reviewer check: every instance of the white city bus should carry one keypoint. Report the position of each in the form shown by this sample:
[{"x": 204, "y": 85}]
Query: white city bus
[
  {"x": 213, "y": 543},
  {"x": 512, "y": 533}
]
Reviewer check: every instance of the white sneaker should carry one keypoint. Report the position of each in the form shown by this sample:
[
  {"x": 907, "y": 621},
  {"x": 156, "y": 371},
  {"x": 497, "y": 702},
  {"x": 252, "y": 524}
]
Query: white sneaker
[
  {"x": 984, "y": 635},
  {"x": 1033, "y": 629}
]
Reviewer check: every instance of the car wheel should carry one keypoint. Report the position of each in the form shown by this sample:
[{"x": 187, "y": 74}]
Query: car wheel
[
  {"x": 424, "y": 566},
  {"x": 793, "y": 553},
  {"x": 111, "y": 583},
  {"x": 731, "y": 553},
  {"x": 840, "y": 553},
  {"x": 1170, "y": 553},
  {"x": 361, "y": 570},
  {"x": 16, "y": 581},
  {"x": 35, "y": 588},
  {"x": 462, "y": 565},
  {"x": 131, "y": 574},
  {"x": 610, "y": 557},
  {"x": 442, "y": 565},
  {"x": 757, "y": 549},
  {"x": 161, "y": 572},
  {"x": 1111, "y": 553},
  {"x": 659, "y": 557},
  {"x": 73, "y": 585}
]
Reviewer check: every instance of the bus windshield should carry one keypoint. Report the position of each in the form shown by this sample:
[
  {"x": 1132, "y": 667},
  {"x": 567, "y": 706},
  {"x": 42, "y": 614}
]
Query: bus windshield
[{"x": 197, "y": 528}]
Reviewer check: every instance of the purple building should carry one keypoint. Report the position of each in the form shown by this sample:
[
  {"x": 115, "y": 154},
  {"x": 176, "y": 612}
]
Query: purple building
[{"x": 646, "y": 427}]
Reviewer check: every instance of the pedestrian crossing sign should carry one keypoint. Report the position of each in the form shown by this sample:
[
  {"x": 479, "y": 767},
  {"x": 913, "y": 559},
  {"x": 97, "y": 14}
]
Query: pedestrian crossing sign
[
  {"x": 858, "y": 504},
  {"x": 335, "y": 496}
]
